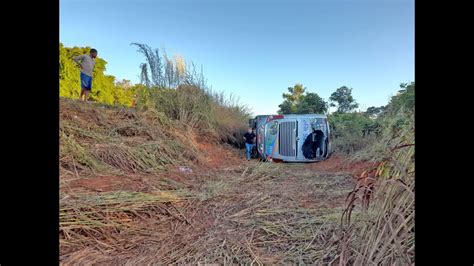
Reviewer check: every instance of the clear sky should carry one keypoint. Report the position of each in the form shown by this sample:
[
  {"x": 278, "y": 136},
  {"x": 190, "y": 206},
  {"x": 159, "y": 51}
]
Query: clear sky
[{"x": 256, "y": 49}]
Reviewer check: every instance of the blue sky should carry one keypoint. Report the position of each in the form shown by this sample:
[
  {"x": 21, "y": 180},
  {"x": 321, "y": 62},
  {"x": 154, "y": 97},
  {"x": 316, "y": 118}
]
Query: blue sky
[{"x": 256, "y": 49}]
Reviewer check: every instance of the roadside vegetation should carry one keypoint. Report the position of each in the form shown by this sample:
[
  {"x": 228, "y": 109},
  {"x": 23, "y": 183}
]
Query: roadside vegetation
[{"x": 149, "y": 172}]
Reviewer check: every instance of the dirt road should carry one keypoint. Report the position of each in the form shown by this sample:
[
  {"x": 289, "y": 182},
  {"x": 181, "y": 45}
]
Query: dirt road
[{"x": 225, "y": 211}]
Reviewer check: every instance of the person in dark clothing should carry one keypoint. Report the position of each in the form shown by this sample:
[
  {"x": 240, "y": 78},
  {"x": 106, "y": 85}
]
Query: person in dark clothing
[
  {"x": 313, "y": 146},
  {"x": 249, "y": 142}
]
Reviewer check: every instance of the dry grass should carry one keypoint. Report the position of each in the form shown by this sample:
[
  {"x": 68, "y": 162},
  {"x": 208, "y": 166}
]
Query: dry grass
[
  {"x": 227, "y": 211},
  {"x": 387, "y": 198},
  {"x": 87, "y": 218},
  {"x": 115, "y": 139},
  {"x": 258, "y": 213}
]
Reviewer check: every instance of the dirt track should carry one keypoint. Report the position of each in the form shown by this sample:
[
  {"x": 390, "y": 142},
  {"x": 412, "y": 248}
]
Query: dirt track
[{"x": 234, "y": 212}]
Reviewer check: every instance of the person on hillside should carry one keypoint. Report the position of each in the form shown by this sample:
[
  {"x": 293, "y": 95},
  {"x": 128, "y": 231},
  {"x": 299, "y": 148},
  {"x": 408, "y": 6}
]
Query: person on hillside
[
  {"x": 249, "y": 137},
  {"x": 86, "y": 62}
]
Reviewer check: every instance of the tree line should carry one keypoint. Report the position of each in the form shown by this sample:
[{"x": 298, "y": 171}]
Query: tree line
[
  {"x": 352, "y": 130},
  {"x": 299, "y": 101}
]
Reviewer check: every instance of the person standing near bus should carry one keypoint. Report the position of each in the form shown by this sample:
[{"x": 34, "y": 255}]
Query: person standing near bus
[{"x": 249, "y": 137}]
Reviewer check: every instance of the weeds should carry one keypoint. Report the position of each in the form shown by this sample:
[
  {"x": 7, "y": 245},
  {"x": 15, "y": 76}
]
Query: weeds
[{"x": 387, "y": 198}]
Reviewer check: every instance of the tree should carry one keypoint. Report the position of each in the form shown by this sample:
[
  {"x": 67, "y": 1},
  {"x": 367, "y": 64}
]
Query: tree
[
  {"x": 285, "y": 107},
  {"x": 343, "y": 97},
  {"x": 373, "y": 111},
  {"x": 292, "y": 98},
  {"x": 295, "y": 93},
  {"x": 405, "y": 99},
  {"x": 124, "y": 83},
  {"x": 311, "y": 103},
  {"x": 297, "y": 101},
  {"x": 103, "y": 85}
]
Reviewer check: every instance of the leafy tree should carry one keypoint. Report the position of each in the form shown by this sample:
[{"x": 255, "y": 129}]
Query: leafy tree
[
  {"x": 292, "y": 99},
  {"x": 373, "y": 111},
  {"x": 294, "y": 96},
  {"x": 102, "y": 85},
  {"x": 124, "y": 93},
  {"x": 285, "y": 107},
  {"x": 124, "y": 83},
  {"x": 356, "y": 131},
  {"x": 295, "y": 93},
  {"x": 69, "y": 81},
  {"x": 403, "y": 100},
  {"x": 343, "y": 97},
  {"x": 351, "y": 130},
  {"x": 297, "y": 101},
  {"x": 311, "y": 103}
]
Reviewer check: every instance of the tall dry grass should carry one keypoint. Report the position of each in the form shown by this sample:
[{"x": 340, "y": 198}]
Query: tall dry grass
[
  {"x": 177, "y": 89},
  {"x": 384, "y": 234},
  {"x": 200, "y": 110}
]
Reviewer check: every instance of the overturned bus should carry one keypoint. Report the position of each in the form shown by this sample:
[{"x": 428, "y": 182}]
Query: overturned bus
[{"x": 292, "y": 137}]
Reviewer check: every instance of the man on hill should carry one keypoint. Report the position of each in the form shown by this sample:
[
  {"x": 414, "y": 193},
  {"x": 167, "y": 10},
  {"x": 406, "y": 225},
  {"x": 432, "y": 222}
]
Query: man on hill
[
  {"x": 249, "y": 142},
  {"x": 86, "y": 62}
]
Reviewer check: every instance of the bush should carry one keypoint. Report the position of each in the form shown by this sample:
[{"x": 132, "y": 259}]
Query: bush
[
  {"x": 397, "y": 118},
  {"x": 370, "y": 137},
  {"x": 352, "y": 131}
]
